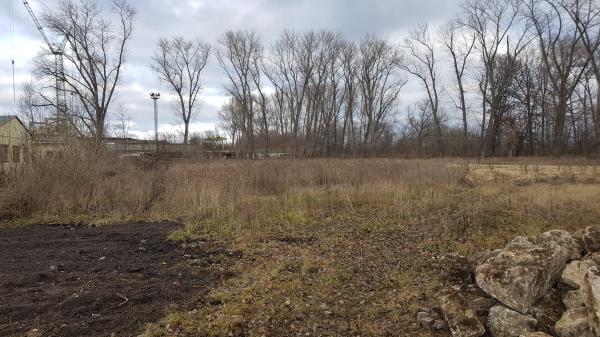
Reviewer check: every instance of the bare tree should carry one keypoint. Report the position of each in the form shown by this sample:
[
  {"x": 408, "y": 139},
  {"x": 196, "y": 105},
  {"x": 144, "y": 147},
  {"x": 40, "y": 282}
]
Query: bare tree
[
  {"x": 421, "y": 63},
  {"x": 237, "y": 56},
  {"x": 331, "y": 96},
  {"x": 492, "y": 22},
  {"x": 290, "y": 69},
  {"x": 260, "y": 97},
  {"x": 32, "y": 109},
  {"x": 333, "y": 92},
  {"x": 180, "y": 63},
  {"x": 122, "y": 123},
  {"x": 587, "y": 20},
  {"x": 420, "y": 122},
  {"x": 379, "y": 81},
  {"x": 560, "y": 39},
  {"x": 95, "y": 50},
  {"x": 459, "y": 44},
  {"x": 231, "y": 120},
  {"x": 349, "y": 68}
]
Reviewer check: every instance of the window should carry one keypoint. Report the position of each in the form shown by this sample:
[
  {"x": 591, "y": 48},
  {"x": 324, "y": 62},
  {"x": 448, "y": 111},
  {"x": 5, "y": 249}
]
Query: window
[
  {"x": 26, "y": 156},
  {"x": 3, "y": 153},
  {"x": 16, "y": 154}
]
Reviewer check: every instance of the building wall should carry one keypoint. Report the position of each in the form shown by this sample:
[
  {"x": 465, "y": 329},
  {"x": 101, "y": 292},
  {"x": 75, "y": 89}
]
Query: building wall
[{"x": 14, "y": 144}]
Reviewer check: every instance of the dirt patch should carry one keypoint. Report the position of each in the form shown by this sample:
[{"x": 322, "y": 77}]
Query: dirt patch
[
  {"x": 87, "y": 281},
  {"x": 526, "y": 174}
]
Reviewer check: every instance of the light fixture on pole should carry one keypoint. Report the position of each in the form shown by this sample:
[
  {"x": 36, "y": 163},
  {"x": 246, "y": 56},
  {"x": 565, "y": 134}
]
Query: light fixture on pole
[{"x": 155, "y": 97}]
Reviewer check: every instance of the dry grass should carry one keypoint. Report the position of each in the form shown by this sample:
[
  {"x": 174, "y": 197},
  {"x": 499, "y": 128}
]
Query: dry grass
[
  {"x": 330, "y": 247},
  {"x": 526, "y": 173}
]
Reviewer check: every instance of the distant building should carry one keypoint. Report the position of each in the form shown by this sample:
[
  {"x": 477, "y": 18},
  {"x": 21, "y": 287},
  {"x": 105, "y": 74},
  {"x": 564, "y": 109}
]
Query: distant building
[
  {"x": 51, "y": 137},
  {"x": 14, "y": 142}
]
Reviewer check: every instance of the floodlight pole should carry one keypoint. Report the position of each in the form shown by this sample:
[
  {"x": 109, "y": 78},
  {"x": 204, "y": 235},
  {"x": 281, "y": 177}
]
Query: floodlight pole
[{"x": 155, "y": 97}]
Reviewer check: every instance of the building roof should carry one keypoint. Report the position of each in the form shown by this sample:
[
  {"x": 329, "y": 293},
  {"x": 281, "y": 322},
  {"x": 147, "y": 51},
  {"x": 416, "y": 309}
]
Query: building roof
[
  {"x": 129, "y": 140},
  {"x": 6, "y": 119}
]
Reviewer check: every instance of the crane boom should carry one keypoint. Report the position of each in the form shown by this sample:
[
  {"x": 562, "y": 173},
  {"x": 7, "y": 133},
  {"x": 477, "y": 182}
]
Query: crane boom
[
  {"x": 61, "y": 99},
  {"x": 40, "y": 29}
]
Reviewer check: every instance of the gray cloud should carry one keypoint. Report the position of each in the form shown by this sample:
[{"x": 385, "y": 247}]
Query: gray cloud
[{"x": 207, "y": 20}]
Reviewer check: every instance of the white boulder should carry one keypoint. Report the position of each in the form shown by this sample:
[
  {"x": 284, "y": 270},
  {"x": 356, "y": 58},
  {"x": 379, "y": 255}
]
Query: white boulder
[{"x": 504, "y": 322}]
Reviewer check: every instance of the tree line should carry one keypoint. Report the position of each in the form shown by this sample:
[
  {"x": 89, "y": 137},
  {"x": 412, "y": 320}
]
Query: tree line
[{"x": 503, "y": 77}]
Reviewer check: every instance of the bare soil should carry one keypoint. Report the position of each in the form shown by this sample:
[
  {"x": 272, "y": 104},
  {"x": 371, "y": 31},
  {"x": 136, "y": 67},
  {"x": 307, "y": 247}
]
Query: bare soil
[{"x": 101, "y": 281}]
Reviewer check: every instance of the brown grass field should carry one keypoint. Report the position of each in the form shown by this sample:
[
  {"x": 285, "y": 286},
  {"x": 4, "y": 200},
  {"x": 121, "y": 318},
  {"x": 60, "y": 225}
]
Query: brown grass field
[{"x": 336, "y": 247}]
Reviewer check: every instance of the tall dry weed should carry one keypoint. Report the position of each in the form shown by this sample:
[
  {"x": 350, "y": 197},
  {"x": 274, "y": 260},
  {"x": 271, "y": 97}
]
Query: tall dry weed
[{"x": 79, "y": 184}]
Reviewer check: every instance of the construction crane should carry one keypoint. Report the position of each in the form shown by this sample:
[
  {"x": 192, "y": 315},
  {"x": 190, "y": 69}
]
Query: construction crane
[{"x": 57, "y": 50}]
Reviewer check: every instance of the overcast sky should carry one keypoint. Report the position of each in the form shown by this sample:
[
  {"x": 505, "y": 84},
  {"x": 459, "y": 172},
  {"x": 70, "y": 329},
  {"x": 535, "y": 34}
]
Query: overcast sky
[{"x": 208, "y": 19}]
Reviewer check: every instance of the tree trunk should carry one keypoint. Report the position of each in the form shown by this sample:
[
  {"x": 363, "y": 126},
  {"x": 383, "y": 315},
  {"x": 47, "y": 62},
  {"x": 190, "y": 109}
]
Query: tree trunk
[
  {"x": 440, "y": 137},
  {"x": 559, "y": 127},
  {"x": 186, "y": 131},
  {"x": 99, "y": 136}
]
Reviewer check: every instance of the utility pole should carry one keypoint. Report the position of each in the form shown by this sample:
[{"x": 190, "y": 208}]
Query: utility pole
[{"x": 155, "y": 97}]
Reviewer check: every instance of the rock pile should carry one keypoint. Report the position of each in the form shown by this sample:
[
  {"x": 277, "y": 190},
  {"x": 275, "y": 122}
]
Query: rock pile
[
  {"x": 460, "y": 317},
  {"x": 521, "y": 277},
  {"x": 431, "y": 318}
]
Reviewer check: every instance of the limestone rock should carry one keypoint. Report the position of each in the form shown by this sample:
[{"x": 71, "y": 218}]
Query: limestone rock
[
  {"x": 482, "y": 305},
  {"x": 579, "y": 235},
  {"x": 574, "y": 323},
  {"x": 461, "y": 319},
  {"x": 592, "y": 298},
  {"x": 574, "y": 273},
  {"x": 33, "y": 333},
  {"x": 594, "y": 258},
  {"x": 537, "y": 334},
  {"x": 425, "y": 320},
  {"x": 518, "y": 276},
  {"x": 439, "y": 324},
  {"x": 548, "y": 310},
  {"x": 591, "y": 239},
  {"x": 574, "y": 299},
  {"x": 504, "y": 322},
  {"x": 571, "y": 246}
]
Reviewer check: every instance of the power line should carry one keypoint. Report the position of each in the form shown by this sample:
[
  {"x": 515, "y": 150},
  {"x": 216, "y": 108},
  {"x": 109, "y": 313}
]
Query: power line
[
  {"x": 11, "y": 11},
  {"x": 50, "y": 11},
  {"x": 14, "y": 86}
]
